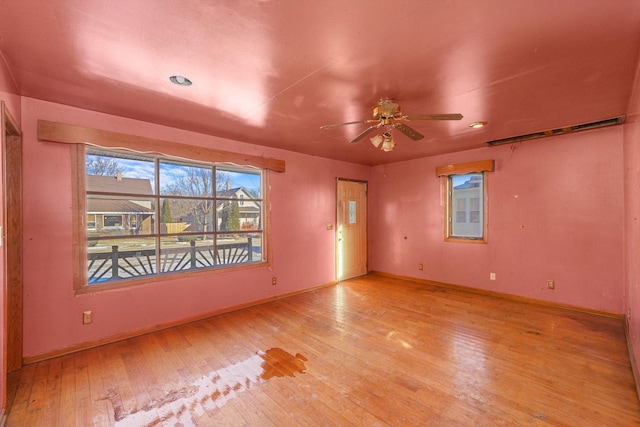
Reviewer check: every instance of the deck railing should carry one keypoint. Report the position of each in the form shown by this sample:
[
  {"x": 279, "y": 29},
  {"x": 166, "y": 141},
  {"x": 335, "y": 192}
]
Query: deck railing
[{"x": 116, "y": 265}]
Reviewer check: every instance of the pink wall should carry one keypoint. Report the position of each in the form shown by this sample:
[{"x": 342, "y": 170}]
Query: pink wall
[
  {"x": 302, "y": 200},
  {"x": 632, "y": 218},
  {"x": 9, "y": 90},
  {"x": 555, "y": 212}
]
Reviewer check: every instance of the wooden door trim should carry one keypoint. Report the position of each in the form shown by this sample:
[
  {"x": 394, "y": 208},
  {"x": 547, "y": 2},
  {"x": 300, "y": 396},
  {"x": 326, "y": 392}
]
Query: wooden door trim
[{"x": 12, "y": 236}]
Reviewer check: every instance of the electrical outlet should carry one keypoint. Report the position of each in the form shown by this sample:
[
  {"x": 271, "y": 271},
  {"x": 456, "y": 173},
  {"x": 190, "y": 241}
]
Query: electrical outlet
[
  {"x": 492, "y": 276},
  {"x": 274, "y": 281},
  {"x": 87, "y": 317},
  {"x": 420, "y": 266},
  {"x": 551, "y": 284}
]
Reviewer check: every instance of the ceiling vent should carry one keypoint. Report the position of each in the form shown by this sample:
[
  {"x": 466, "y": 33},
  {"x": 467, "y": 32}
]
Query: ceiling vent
[{"x": 559, "y": 131}]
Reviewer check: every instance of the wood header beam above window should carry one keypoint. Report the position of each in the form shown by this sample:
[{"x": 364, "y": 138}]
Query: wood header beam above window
[
  {"x": 71, "y": 134},
  {"x": 464, "y": 168}
]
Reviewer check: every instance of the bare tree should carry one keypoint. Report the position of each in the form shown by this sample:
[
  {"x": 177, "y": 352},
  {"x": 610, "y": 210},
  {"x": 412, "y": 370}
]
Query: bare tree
[
  {"x": 100, "y": 165},
  {"x": 196, "y": 183}
]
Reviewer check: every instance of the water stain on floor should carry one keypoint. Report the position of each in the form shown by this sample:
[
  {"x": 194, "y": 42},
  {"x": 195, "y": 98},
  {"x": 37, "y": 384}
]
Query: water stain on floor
[{"x": 211, "y": 391}]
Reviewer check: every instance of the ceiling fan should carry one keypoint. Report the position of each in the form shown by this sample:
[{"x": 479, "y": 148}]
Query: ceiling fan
[{"x": 388, "y": 115}]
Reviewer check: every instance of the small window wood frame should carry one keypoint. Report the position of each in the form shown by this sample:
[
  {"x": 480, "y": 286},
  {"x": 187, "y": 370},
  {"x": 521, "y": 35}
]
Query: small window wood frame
[{"x": 447, "y": 172}]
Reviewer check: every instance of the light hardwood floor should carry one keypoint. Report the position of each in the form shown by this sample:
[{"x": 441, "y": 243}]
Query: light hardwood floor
[{"x": 370, "y": 351}]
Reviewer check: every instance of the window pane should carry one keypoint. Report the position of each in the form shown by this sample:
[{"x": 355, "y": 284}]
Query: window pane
[
  {"x": 119, "y": 173},
  {"x": 238, "y": 184},
  {"x": 181, "y": 253},
  {"x": 185, "y": 215},
  {"x": 119, "y": 216},
  {"x": 116, "y": 259},
  {"x": 228, "y": 216},
  {"x": 250, "y": 215},
  {"x": 237, "y": 248},
  {"x": 467, "y": 193},
  {"x": 256, "y": 247},
  {"x": 179, "y": 179},
  {"x": 237, "y": 215}
]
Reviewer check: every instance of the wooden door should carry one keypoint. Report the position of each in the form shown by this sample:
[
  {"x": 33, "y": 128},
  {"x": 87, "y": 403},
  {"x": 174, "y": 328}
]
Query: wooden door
[
  {"x": 12, "y": 236},
  {"x": 351, "y": 229}
]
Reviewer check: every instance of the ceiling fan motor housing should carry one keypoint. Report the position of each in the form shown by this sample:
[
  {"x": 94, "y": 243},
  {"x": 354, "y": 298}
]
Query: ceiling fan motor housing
[{"x": 386, "y": 109}]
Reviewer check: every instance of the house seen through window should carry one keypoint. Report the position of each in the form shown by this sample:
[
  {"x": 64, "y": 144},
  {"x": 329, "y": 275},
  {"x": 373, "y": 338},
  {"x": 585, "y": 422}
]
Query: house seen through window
[
  {"x": 466, "y": 193},
  {"x": 154, "y": 215}
]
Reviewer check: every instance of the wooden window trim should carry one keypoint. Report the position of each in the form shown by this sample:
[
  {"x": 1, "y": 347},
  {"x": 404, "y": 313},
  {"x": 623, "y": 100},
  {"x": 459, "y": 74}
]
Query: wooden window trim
[
  {"x": 70, "y": 134},
  {"x": 481, "y": 166},
  {"x": 464, "y": 168},
  {"x": 78, "y": 217}
]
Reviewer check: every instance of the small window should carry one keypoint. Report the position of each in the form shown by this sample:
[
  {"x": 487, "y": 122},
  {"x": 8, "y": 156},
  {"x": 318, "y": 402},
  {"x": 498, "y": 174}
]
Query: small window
[
  {"x": 91, "y": 222},
  {"x": 460, "y": 206},
  {"x": 475, "y": 210},
  {"x": 113, "y": 221},
  {"x": 465, "y": 189}
]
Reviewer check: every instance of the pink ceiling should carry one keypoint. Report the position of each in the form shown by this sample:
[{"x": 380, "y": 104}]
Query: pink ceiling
[{"x": 272, "y": 72}]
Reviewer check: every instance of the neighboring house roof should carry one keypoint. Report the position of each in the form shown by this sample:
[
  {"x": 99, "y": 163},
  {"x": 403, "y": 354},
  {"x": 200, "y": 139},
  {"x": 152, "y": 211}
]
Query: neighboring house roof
[
  {"x": 231, "y": 193},
  {"x": 111, "y": 206},
  {"x": 242, "y": 195},
  {"x": 111, "y": 184},
  {"x": 473, "y": 182}
]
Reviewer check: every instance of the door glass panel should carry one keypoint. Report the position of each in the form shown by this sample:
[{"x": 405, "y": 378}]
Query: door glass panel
[{"x": 352, "y": 211}]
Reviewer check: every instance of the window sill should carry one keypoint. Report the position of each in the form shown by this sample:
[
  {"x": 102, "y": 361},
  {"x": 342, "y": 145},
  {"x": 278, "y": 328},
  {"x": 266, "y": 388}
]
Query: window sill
[{"x": 466, "y": 240}]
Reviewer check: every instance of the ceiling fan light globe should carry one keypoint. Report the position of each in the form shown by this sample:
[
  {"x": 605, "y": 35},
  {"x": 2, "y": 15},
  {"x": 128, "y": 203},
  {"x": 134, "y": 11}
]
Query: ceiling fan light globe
[
  {"x": 377, "y": 140},
  {"x": 388, "y": 143}
]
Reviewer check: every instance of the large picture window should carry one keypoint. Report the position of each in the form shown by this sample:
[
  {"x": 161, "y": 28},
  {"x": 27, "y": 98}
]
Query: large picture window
[{"x": 151, "y": 215}]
